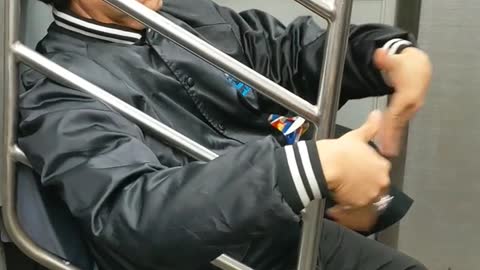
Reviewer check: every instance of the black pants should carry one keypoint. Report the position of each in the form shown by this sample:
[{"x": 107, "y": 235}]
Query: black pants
[{"x": 340, "y": 249}]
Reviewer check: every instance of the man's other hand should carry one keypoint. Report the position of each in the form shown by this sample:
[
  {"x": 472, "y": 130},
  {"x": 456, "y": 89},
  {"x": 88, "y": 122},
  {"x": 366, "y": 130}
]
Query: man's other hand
[
  {"x": 360, "y": 219},
  {"x": 409, "y": 73},
  {"x": 355, "y": 173}
]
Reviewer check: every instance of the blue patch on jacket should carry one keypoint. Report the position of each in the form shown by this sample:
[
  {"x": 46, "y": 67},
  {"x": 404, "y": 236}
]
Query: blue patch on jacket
[{"x": 243, "y": 88}]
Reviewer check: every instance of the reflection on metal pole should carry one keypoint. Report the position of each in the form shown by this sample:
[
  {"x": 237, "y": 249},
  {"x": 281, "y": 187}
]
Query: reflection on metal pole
[
  {"x": 62, "y": 75},
  {"x": 217, "y": 58},
  {"x": 322, "y": 115},
  {"x": 329, "y": 94},
  {"x": 8, "y": 188}
]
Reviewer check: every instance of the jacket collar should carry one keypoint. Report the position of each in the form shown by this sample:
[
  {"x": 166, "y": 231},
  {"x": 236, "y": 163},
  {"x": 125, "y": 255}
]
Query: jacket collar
[{"x": 97, "y": 30}]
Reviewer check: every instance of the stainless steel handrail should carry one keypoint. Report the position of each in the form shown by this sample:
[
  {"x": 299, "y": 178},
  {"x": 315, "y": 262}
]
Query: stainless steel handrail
[
  {"x": 214, "y": 56},
  {"x": 70, "y": 79},
  {"x": 322, "y": 115},
  {"x": 10, "y": 219},
  {"x": 337, "y": 13},
  {"x": 327, "y": 104}
]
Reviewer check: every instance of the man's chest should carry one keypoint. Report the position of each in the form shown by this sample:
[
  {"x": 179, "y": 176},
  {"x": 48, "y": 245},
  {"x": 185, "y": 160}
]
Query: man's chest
[{"x": 188, "y": 94}]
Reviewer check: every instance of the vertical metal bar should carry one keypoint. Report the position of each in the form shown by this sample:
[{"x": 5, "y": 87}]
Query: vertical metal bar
[
  {"x": 407, "y": 16},
  {"x": 329, "y": 94},
  {"x": 333, "y": 66},
  {"x": 328, "y": 97},
  {"x": 327, "y": 101},
  {"x": 10, "y": 218},
  {"x": 3, "y": 16},
  {"x": 216, "y": 57}
]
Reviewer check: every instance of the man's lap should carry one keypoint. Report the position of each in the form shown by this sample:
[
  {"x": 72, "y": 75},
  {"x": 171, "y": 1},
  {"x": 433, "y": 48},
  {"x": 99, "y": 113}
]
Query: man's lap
[
  {"x": 340, "y": 249},
  {"x": 343, "y": 249}
]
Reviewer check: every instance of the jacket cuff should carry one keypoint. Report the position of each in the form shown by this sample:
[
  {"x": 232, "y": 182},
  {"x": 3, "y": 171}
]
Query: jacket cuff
[
  {"x": 395, "y": 46},
  {"x": 301, "y": 176}
]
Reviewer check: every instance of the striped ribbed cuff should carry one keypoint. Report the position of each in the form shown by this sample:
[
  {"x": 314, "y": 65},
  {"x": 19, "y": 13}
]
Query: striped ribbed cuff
[
  {"x": 301, "y": 177},
  {"x": 394, "y": 46}
]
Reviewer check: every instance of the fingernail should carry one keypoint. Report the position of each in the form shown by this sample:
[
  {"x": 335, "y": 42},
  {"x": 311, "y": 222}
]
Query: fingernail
[
  {"x": 334, "y": 210},
  {"x": 375, "y": 115}
]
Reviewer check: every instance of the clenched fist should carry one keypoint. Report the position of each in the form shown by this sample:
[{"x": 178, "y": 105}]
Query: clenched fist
[
  {"x": 355, "y": 173},
  {"x": 409, "y": 74}
]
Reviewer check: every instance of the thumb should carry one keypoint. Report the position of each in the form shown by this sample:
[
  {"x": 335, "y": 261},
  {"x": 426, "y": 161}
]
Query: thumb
[
  {"x": 335, "y": 212},
  {"x": 382, "y": 60},
  {"x": 370, "y": 128}
]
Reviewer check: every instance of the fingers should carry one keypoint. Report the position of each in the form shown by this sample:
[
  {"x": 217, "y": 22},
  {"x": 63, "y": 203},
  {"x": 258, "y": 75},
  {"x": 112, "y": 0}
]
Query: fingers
[
  {"x": 356, "y": 219},
  {"x": 370, "y": 128},
  {"x": 395, "y": 120},
  {"x": 336, "y": 212},
  {"x": 379, "y": 185}
]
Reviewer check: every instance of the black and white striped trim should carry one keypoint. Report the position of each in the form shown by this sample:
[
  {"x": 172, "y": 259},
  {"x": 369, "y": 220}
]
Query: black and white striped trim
[
  {"x": 394, "y": 46},
  {"x": 303, "y": 179},
  {"x": 96, "y": 30}
]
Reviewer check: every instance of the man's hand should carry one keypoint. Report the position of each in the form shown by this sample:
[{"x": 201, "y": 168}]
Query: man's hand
[
  {"x": 360, "y": 220},
  {"x": 355, "y": 173},
  {"x": 409, "y": 73}
]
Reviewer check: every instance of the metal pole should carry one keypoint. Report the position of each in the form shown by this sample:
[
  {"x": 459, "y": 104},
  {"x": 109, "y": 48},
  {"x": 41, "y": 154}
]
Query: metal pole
[
  {"x": 323, "y": 115},
  {"x": 12, "y": 226},
  {"x": 329, "y": 94},
  {"x": 226, "y": 263},
  {"x": 64, "y": 76},
  {"x": 323, "y": 8},
  {"x": 327, "y": 99},
  {"x": 216, "y": 57},
  {"x": 163, "y": 132}
]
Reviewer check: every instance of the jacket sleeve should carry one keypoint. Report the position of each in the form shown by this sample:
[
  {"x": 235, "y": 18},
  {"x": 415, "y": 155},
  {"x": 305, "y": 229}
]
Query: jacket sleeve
[
  {"x": 133, "y": 205},
  {"x": 292, "y": 55}
]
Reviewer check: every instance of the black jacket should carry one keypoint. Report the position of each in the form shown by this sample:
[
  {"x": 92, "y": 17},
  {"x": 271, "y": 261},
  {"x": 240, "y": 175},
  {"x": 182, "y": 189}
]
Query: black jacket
[{"x": 144, "y": 205}]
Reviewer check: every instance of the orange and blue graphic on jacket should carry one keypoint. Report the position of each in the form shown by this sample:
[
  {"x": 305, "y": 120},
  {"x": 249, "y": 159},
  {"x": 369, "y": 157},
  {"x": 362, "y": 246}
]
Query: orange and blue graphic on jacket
[{"x": 292, "y": 127}]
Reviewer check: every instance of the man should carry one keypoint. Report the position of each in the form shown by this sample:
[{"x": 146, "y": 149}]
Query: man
[{"x": 144, "y": 205}]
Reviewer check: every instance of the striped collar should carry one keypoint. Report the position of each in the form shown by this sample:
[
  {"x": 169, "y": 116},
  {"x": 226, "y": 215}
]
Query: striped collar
[{"x": 93, "y": 29}]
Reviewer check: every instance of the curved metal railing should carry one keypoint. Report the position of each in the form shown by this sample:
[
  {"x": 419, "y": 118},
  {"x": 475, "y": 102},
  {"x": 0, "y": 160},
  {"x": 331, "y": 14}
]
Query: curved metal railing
[{"x": 322, "y": 115}]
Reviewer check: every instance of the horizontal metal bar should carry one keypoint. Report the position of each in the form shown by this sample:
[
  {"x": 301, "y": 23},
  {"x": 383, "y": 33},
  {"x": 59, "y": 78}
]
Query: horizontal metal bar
[
  {"x": 217, "y": 58},
  {"x": 64, "y": 76},
  {"x": 163, "y": 132},
  {"x": 324, "y": 8}
]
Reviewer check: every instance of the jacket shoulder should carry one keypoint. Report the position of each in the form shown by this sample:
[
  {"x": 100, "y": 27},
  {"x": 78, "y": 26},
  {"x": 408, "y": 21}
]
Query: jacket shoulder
[{"x": 195, "y": 13}]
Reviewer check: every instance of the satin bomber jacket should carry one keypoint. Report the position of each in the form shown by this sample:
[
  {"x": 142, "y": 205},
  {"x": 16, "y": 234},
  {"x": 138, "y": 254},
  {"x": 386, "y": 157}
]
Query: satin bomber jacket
[{"x": 142, "y": 204}]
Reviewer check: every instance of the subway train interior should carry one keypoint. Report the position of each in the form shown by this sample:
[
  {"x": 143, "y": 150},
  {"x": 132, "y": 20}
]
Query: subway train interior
[{"x": 239, "y": 134}]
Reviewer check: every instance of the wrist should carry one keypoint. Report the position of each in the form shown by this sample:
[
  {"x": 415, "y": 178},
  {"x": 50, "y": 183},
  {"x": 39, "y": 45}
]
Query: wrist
[
  {"x": 328, "y": 160},
  {"x": 397, "y": 46},
  {"x": 301, "y": 178}
]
